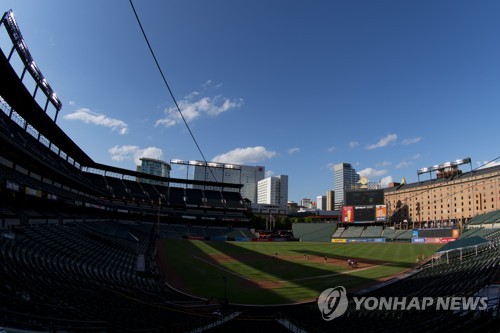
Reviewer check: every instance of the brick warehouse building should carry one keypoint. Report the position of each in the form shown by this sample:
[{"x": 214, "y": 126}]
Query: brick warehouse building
[{"x": 444, "y": 201}]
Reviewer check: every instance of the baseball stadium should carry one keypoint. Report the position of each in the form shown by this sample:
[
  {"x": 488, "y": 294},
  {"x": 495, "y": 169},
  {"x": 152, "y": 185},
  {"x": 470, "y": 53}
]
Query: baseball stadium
[{"x": 88, "y": 247}]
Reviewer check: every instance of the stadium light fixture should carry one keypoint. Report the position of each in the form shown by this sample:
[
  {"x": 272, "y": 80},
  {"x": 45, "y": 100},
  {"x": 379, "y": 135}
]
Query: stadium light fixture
[
  {"x": 435, "y": 167},
  {"x": 233, "y": 166},
  {"x": 10, "y": 24},
  {"x": 423, "y": 170},
  {"x": 441, "y": 167}
]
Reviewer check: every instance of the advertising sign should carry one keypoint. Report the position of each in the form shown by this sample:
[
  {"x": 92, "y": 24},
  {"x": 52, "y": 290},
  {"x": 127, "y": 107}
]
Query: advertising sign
[
  {"x": 348, "y": 214},
  {"x": 339, "y": 240},
  {"x": 433, "y": 240},
  {"x": 381, "y": 213}
]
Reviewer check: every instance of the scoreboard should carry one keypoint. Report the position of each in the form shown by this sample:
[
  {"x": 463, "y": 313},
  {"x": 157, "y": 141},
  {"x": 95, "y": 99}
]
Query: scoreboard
[
  {"x": 364, "y": 206},
  {"x": 364, "y": 197}
]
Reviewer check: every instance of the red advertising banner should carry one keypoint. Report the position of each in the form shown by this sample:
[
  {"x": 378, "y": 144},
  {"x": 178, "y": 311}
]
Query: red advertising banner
[
  {"x": 348, "y": 214},
  {"x": 439, "y": 239}
]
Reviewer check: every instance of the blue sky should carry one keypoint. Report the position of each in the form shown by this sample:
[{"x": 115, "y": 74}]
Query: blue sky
[{"x": 295, "y": 86}]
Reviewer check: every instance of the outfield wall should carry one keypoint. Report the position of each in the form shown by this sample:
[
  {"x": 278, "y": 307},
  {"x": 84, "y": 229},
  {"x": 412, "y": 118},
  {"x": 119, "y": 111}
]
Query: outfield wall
[
  {"x": 358, "y": 240},
  {"x": 314, "y": 232},
  {"x": 239, "y": 239},
  {"x": 439, "y": 240}
]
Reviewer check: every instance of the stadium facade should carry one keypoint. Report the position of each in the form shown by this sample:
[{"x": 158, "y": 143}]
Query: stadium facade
[{"x": 444, "y": 201}]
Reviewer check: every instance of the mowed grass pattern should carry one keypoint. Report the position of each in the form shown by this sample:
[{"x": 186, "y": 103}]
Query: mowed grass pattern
[{"x": 277, "y": 272}]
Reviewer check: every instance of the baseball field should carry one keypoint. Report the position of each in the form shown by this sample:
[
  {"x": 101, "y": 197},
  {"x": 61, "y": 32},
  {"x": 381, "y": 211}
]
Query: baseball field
[{"x": 280, "y": 272}]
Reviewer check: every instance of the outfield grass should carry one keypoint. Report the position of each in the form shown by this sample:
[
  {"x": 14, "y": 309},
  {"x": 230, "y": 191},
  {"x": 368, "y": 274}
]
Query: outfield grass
[{"x": 250, "y": 272}]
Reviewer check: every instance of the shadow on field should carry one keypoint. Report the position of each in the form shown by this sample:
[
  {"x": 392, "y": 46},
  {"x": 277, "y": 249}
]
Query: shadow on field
[
  {"x": 344, "y": 257},
  {"x": 303, "y": 280},
  {"x": 188, "y": 268}
]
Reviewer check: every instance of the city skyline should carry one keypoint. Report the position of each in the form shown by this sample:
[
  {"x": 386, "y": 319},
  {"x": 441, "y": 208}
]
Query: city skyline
[{"x": 388, "y": 87}]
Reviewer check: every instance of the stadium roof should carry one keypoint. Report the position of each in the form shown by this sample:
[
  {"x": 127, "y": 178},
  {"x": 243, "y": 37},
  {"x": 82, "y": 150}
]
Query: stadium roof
[
  {"x": 137, "y": 174},
  {"x": 20, "y": 99}
]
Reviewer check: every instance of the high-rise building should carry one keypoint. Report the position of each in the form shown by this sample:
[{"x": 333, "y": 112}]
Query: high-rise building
[
  {"x": 321, "y": 202},
  {"x": 344, "y": 176},
  {"x": 248, "y": 176},
  {"x": 155, "y": 167},
  {"x": 330, "y": 200},
  {"x": 306, "y": 202},
  {"x": 273, "y": 191}
]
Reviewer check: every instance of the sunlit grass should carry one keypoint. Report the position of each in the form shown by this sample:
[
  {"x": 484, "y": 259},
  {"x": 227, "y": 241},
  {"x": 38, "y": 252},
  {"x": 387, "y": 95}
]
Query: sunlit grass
[{"x": 277, "y": 272}]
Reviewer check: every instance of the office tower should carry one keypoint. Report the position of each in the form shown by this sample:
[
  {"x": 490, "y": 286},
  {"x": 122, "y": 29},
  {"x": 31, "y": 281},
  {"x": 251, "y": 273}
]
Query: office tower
[
  {"x": 246, "y": 175},
  {"x": 155, "y": 167},
  {"x": 343, "y": 177},
  {"x": 321, "y": 202},
  {"x": 330, "y": 200},
  {"x": 273, "y": 191}
]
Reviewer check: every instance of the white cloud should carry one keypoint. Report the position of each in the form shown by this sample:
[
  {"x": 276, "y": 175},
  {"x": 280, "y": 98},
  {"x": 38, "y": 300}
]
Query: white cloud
[
  {"x": 383, "y": 164},
  {"x": 384, "y": 182},
  {"x": 415, "y": 157},
  {"x": 210, "y": 84},
  {"x": 192, "y": 109},
  {"x": 135, "y": 153},
  {"x": 269, "y": 173},
  {"x": 293, "y": 150},
  {"x": 411, "y": 141},
  {"x": 89, "y": 117},
  {"x": 245, "y": 155},
  {"x": 331, "y": 149},
  {"x": 407, "y": 163},
  {"x": 192, "y": 95},
  {"x": 403, "y": 164},
  {"x": 384, "y": 141},
  {"x": 353, "y": 144},
  {"x": 370, "y": 173}
]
